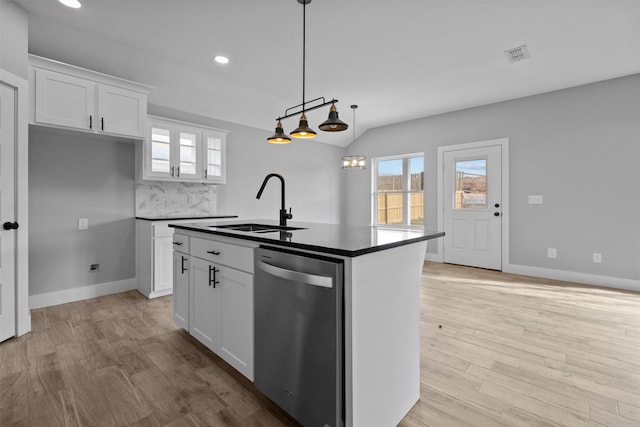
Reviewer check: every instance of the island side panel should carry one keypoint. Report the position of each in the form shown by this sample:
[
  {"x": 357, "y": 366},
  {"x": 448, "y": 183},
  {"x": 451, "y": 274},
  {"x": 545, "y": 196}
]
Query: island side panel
[{"x": 383, "y": 355}]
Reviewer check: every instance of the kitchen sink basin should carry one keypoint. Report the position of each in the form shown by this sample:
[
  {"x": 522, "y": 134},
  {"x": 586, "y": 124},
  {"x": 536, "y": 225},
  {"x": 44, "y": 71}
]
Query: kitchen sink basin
[{"x": 256, "y": 228}]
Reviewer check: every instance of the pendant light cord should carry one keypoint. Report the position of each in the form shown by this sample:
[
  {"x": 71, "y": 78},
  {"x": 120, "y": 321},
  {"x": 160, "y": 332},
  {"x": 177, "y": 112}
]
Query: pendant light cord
[{"x": 304, "y": 49}]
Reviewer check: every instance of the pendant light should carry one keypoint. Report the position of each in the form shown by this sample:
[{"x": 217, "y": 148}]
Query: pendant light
[
  {"x": 355, "y": 162},
  {"x": 332, "y": 124},
  {"x": 279, "y": 137}
]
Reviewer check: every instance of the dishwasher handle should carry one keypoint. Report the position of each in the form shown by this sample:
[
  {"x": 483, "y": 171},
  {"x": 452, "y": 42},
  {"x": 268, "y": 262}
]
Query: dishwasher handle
[{"x": 296, "y": 276}]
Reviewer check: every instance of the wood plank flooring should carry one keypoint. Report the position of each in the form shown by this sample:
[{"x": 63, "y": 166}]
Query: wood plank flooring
[{"x": 497, "y": 350}]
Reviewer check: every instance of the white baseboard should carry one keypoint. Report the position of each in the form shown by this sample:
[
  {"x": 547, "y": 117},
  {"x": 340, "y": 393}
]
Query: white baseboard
[
  {"x": 80, "y": 293},
  {"x": 572, "y": 276},
  {"x": 162, "y": 293},
  {"x": 432, "y": 257}
]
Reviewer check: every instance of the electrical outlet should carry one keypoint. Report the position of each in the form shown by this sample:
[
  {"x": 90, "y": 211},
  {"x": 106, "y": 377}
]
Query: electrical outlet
[
  {"x": 597, "y": 257},
  {"x": 535, "y": 200},
  {"x": 552, "y": 253},
  {"x": 83, "y": 223},
  {"x": 94, "y": 268}
]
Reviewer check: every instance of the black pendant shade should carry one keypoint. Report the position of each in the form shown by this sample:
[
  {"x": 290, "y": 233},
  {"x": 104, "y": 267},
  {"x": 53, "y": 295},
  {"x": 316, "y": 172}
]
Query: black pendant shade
[
  {"x": 279, "y": 137},
  {"x": 333, "y": 123},
  {"x": 303, "y": 130}
]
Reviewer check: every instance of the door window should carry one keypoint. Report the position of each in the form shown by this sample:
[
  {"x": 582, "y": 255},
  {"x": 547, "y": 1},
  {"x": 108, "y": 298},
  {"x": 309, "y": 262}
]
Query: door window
[{"x": 470, "y": 184}]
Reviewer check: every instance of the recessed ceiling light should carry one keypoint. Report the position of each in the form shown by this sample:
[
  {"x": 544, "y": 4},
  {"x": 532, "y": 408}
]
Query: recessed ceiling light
[
  {"x": 71, "y": 3},
  {"x": 221, "y": 59}
]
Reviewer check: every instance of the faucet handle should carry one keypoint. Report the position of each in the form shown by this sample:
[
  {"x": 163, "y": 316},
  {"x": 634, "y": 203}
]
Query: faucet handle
[{"x": 289, "y": 215}]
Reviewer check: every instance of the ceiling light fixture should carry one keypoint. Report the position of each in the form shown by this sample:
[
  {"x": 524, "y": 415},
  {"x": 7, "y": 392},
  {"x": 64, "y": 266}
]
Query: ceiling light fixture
[
  {"x": 355, "y": 162},
  {"x": 221, "y": 59},
  {"x": 75, "y": 4},
  {"x": 332, "y": 124}
]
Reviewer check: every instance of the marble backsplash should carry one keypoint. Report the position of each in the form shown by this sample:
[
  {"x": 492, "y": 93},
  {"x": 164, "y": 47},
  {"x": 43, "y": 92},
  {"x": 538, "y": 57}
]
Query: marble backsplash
[{"x": 163, "y": 198}]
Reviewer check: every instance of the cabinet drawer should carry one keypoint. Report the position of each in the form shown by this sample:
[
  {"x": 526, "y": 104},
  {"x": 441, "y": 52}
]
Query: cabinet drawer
[
  {"x": 181, "y": 243},
  {"x": 235, "y": 256}
]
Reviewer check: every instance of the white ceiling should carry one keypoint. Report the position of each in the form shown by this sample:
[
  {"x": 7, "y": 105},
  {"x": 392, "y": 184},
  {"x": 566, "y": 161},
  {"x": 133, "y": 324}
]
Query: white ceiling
[{"x": 397, "y": 59}]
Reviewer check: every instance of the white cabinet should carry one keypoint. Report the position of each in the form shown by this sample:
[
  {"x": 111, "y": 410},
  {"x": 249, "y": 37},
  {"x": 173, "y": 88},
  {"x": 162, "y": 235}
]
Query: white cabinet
[
  {"x": 181, "y": 272},
  {"x": 179, "y": 151},
  {"x": 155, "y": 241},
  {"x": 74, "y": 98},
  {"x": 205, "y": 303},
  {"x": 220, "y": 297}
]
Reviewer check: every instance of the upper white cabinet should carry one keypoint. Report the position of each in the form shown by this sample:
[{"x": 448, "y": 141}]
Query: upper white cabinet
[
  {"x": 70, "y": 97},
  {"x": 179, "y": 151}
]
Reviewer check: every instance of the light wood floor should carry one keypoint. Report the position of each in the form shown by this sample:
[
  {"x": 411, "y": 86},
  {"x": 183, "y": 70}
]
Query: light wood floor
[{"x": 497, "y": 350}]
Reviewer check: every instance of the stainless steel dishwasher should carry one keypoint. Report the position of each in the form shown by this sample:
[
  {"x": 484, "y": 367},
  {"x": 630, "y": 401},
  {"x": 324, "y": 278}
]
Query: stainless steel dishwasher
[{"x": 299, "y": 333}]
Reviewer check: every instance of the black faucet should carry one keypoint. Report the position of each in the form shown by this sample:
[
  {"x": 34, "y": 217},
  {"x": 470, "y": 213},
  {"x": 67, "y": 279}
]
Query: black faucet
[{"x": 284, "y": 216}]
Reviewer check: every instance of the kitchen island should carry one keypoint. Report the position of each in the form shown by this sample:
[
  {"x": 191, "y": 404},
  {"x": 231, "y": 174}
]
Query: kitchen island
[{"x": 380, "y": 313}]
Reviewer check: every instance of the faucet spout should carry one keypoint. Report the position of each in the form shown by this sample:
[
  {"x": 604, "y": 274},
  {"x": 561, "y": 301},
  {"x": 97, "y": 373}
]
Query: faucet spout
[{"x": 284, "y": 216}]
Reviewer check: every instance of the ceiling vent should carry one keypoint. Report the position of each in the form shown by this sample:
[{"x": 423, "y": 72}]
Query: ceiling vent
[{"x": 517, "y": 54}]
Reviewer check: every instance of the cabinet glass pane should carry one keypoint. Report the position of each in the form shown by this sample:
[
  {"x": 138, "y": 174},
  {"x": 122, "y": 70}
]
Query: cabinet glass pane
[
  {"x": 471, "y": 184},
  {"x": 188, "y": 153},
  {"x": 215, "y": 171},
  {"x": 215, "y": 158},
  {"x": 214, "y": 143},
  {"x": 160, "y": 150}
]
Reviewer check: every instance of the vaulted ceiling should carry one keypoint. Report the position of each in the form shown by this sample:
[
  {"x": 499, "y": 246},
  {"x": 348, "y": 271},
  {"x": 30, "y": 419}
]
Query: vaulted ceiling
[{"x": 397, "y": 59}]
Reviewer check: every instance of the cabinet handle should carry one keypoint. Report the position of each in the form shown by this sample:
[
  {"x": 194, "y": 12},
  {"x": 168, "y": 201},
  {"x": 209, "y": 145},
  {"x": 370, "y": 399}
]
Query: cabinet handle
[
  {"x": 90, "y": 121},
  {"x": 205, "y": 174},
  {"x": 102, "y": 122},
  {"x": 177, "y": 243},
  {"x": 178, "y": 169},
  {"x": 214, "y": 252},
  {"x": 172, "y": 168},
  {"x": 213, "y": 281},
  {"x": 183, "y": 260}
]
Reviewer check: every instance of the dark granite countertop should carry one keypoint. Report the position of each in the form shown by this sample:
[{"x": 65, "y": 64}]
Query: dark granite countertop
[
  {"x": 180, "y": 218},
  {"x": 345, "y": 240}
]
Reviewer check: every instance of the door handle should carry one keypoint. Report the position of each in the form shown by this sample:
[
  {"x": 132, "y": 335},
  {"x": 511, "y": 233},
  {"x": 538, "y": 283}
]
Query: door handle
[
  {"x": 183, "y": 260},
  {"x": 497, "y": 205},
  {"x": 296, "y": 276},
  {"x": 496, "y": 214},
  {"x": 10, "y": 225}
]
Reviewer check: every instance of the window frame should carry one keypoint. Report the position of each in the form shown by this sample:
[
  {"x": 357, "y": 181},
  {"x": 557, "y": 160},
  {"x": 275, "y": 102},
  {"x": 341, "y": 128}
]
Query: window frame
[{"x": 406, "y": 191}]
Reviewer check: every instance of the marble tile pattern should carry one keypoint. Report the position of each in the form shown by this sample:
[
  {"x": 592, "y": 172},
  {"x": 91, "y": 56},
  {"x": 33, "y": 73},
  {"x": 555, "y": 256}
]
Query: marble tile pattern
[{"x": 163, "y": 198}]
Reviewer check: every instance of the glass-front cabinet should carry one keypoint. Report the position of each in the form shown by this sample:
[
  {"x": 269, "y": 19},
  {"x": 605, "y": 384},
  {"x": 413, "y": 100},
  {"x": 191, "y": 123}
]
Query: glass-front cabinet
[{"x": 179, "y": 151}]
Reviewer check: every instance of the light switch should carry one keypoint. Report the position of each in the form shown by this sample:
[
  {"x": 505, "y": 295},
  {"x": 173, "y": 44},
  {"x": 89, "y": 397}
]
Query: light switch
[
  {"x": 535, "y": 200},
  {"x": 83, "y": 223}
]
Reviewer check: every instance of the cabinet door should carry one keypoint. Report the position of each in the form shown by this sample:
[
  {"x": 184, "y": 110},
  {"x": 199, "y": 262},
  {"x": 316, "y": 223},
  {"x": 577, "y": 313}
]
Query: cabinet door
[
  {"x": 214, "y": 156},
  {"x": 204, "y": 307},
  {"x": 181, "y": 290},
  {"x": 64, "y": 100},
  {"x": 162, "y": 265},
  {"x": 121, "y": 111},
  {"x": 235, "y": 340},
  {"x": 158, "y": 152},
  {"x": 186, "y": 154}
]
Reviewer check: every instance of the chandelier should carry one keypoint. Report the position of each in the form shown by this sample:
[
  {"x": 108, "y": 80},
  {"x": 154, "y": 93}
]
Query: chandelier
[{"x": 332, "y": 124}]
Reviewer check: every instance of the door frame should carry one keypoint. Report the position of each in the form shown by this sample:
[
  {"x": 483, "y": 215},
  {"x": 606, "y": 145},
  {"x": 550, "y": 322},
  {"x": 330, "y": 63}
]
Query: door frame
[
  {"x": 504, "y": 144},
  {"x": 21, "y": 87}
]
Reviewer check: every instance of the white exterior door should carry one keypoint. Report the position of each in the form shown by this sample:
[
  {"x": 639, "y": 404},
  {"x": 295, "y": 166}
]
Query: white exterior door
[
  {"x": 7, "y": 213},
  {"x": 472, "y": 207}
]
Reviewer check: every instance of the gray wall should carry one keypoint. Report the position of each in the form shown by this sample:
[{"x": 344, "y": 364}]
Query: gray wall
[
  {"x": 311, "y": 170},
  {"x": 13, "y": 38},
  {"x": 71, "y": 176},
  {"x": 577, "y": 147}
]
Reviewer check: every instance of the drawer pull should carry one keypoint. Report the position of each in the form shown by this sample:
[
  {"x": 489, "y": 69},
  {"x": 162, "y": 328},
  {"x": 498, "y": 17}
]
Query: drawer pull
[
  {"x": 177, "y": 243},
  {"x": 214, "y": 252}
]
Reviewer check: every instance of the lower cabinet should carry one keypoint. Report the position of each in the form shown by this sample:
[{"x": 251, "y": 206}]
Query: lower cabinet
[
  {"x": 181, "y": 272},
  {"x": 214, "y": 302}
]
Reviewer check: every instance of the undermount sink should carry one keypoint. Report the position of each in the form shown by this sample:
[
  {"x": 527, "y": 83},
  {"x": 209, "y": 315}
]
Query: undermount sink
[{"x": 256, "y": 228}]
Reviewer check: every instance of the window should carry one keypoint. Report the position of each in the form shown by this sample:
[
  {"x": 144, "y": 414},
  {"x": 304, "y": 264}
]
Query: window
[{"x": 398, "y": 195}]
